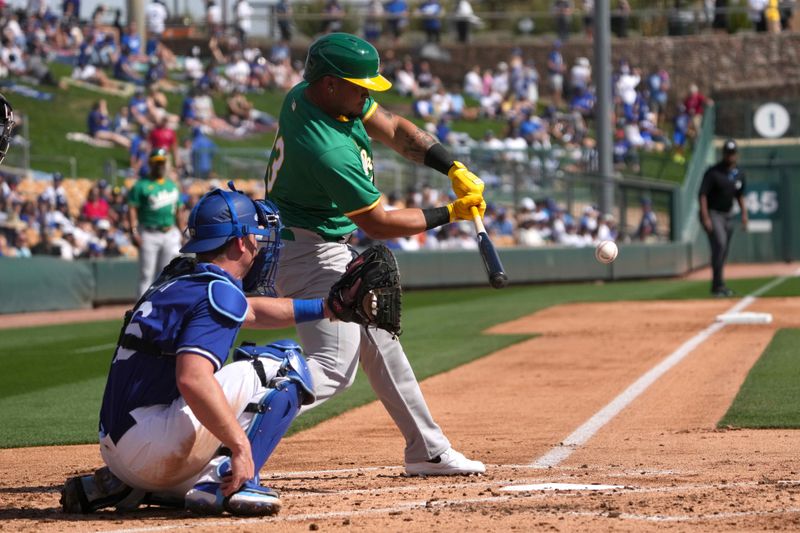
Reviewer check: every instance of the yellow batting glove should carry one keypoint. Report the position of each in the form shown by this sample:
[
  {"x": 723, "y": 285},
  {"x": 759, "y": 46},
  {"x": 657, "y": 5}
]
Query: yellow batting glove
[
  {"x": 461, "y": 209},
  {"x": 464, "y": 182}
]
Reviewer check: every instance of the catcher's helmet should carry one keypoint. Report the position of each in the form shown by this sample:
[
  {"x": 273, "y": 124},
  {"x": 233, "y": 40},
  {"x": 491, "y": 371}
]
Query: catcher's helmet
[
  {"x": 223, "y": 215},
  {"x": 158, "y": 155},
  {"x": 6, "y": 126},
  {"x": 348, "y": 57}
]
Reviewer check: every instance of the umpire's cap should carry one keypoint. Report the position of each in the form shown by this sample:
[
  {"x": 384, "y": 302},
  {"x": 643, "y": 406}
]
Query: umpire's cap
[
  {"x": 348, "y": 57},
  {"x": 220, "y": 216},
  {"x": 158, "y": 155},
  {"x": 729, "y": 147}
]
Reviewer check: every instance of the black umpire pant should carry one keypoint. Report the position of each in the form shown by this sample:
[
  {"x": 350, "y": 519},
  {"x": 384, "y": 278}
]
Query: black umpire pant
[{"x": 720, "y": 239}]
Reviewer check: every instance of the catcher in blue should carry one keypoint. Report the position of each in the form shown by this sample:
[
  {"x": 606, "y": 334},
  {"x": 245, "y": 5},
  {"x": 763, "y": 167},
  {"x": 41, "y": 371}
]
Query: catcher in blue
[{"x": 178, "y": 426}]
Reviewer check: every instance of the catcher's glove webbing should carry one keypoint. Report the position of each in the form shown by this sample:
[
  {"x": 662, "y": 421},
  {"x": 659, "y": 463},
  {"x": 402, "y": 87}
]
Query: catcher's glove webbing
[{"x": 368, "y": 292}]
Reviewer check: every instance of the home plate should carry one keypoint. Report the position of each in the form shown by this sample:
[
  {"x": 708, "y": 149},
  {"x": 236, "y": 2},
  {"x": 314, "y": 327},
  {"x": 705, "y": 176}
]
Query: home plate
[
  {"x": 745, "y": 317},
  {"x": 559, "y": 486}
]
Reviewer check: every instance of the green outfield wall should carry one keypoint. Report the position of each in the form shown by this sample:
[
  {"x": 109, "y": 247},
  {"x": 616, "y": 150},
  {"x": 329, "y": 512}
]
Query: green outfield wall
[{"x": 40, "y": 284}]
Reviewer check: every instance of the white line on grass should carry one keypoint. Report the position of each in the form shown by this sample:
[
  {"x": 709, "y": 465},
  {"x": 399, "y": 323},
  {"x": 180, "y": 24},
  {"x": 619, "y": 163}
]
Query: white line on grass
[{"x": 588, "y": 429}]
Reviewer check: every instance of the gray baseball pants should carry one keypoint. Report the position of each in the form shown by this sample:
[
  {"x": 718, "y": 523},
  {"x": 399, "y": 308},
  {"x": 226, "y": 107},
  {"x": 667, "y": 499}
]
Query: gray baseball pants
[
  {"x": 308, "y": 268},
  {"x": 719, "y": 240},
  {"x": 157, "y": 250}
]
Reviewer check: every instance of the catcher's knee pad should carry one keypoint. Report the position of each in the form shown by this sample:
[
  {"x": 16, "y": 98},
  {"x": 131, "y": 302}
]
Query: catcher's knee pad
[{"x": 286, "y": 392}]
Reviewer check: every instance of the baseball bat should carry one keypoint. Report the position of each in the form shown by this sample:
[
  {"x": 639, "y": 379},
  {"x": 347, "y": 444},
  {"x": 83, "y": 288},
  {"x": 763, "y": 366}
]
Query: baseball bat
[{"x": 491, "y": 261}]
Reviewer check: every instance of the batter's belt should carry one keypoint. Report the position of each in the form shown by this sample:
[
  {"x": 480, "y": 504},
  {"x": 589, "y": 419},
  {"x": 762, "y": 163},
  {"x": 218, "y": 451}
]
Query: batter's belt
[{"x": 304, "y": 235}]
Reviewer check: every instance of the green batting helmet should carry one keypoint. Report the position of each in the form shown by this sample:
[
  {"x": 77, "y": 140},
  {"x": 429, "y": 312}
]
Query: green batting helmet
[{"x": 348, "y": 57}]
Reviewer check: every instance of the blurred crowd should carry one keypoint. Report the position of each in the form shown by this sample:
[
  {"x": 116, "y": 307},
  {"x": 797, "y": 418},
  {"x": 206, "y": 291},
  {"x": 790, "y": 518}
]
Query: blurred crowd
[
  {"x": 544, "y": 112},
  {"x": 82, "y": 219}
]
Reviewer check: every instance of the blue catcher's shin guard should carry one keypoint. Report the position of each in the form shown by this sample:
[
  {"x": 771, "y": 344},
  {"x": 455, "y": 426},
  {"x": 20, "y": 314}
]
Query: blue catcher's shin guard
[{"x": 273, "y": 414}]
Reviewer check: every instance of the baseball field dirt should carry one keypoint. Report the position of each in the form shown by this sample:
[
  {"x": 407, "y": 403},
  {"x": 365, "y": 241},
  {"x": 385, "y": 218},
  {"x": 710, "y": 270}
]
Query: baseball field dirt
[{"x": 641, "y": 458}]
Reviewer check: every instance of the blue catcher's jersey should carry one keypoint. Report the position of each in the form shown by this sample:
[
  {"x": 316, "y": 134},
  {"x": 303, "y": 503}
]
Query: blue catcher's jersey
[{"x": 177, "y": 317}]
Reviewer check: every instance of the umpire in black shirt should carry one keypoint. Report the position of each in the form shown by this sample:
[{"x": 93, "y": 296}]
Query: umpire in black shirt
[{"x": 721, "y": 184}]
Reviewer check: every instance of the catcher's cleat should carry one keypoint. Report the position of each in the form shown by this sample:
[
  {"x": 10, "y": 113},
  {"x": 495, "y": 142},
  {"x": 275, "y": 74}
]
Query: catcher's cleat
[
  {"x": 250, "y": 500},
  {"x": 450, "y": 463},
  {"x": 86, "y": 494}
]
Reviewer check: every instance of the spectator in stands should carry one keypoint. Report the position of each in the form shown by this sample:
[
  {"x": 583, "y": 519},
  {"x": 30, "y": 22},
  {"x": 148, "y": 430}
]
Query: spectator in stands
[
  {"x": 21, "y": 243},
  {"x": 658, "y": 86},
  {"x": 156, "y": 15},
  {"x": 283, "y": 13},
  {"x": 124, "y": 69},
  {"x": 680, "y": 133},
  {"x": 755, "y": 12},
  {"x": 555, "y": 73},
  {"x": 244, "y": 22},
  {"x": 648, "y": 225},
  {"x": 373, "y": 22},
  {"x": 562, "y": 11},
  {"x": 55, "y": 193},
  {"x": 214, "y": 18},
  {"x": 695, "y": 104},
  {"x": 588, "y": 17},
  {"x": 203, "y": 109},
  {"x": 203, "y": 152},
  {"x": 132, "y": 42},
  {"x": 405, "y": 79},
  {"x": 396, "y": 17},
  {"x": 138, "y": 153},
  {"x": 432, "y": 12},
  {"x": 163, "y": 136},
  {"x": 333, "y": 16},
  {"x": 464, "y": 17},
  {"x": 118, "y": 207},
  {"x": 96, "y": 207},
  {"x": 99, "y": 125},
  {"x": 473, "y": 84},
  {"x": 580, "y": 76},
  {"x": 619, "y": 18}
]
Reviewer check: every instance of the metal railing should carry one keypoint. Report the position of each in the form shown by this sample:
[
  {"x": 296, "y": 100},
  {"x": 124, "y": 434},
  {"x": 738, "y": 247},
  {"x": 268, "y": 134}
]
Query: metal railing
[
  {"x": 307, "y": 20},
  {"x": 510, "y": 176}
]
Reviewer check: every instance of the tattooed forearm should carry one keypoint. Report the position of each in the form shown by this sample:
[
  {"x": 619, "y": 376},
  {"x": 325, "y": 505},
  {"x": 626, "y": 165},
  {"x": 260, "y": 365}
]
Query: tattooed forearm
[{"x": 416, "y": 144}]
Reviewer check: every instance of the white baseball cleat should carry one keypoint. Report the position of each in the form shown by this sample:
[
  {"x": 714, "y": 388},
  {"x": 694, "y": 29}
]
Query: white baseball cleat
[{"x": 450, "y": 463}]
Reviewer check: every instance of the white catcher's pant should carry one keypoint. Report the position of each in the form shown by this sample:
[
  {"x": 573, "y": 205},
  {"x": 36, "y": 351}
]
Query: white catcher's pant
[
  {"x": 168, "y": 450},
  {"x": 308, "y": 268}
]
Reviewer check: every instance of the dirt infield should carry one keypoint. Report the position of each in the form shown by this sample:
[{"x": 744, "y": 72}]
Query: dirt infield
[{"x": 663, "y": 463}]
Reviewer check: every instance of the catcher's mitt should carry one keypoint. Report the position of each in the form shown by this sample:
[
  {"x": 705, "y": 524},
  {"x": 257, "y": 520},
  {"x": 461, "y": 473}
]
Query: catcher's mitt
[{"x": 369, "y": 291}]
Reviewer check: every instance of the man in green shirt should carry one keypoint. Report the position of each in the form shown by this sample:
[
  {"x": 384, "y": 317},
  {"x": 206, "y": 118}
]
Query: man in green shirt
[
  {"x": 152, "y": 210},
  {"x": 320, "y": 175}
]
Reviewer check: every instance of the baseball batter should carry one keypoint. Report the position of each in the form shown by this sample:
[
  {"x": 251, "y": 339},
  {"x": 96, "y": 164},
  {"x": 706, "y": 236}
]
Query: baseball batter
[
  {"x": 320, "y": 175},
  {"x": 176, "y": 426},
  {"x": 153, "y": 207}
]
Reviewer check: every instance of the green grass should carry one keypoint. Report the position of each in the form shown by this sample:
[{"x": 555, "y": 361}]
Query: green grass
[
  {"x": 770, "y": 397},
  {"x": 53, "y": 376}
]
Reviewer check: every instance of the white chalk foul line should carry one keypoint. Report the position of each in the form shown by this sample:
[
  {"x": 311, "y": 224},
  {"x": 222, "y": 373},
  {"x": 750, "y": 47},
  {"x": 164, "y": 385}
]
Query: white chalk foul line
[{"x": 580, "y": 436}]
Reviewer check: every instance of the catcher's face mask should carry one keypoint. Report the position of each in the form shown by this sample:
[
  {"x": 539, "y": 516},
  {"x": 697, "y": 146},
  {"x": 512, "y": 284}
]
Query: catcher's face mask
[{"x": 261, "y": 277}]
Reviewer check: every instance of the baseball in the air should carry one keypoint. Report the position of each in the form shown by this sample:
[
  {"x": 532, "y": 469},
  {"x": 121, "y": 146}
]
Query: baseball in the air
[{"x": 606, "y": 251}]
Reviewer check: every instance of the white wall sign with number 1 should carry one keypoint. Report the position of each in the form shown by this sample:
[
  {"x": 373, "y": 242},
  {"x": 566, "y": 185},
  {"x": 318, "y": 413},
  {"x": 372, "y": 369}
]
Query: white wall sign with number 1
[{"x": 771, "y": 120}]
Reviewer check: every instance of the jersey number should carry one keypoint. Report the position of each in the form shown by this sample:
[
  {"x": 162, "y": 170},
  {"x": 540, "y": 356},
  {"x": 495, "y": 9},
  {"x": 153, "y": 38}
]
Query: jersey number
[{"x": 277, "y": 163}]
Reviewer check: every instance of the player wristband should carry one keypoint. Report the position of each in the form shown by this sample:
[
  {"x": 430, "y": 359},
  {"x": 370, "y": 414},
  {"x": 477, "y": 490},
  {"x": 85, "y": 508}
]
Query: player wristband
[
  {"x": 308, "y": 310},
  {"x": 436, "y": 216},
  {"x": 438, "y": 158}
]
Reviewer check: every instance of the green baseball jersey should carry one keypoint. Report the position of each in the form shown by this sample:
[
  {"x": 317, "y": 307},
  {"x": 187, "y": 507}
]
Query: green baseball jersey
[
  {"x": 156, "y": 202},
  {"x": 320, "y": 169}
]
